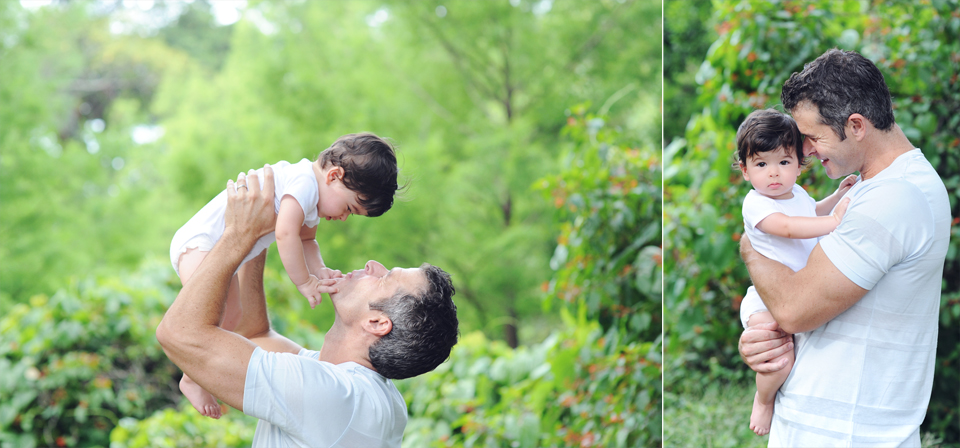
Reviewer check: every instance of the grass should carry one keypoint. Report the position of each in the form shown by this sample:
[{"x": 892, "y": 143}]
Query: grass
[
  {"x": 715, "y": 418},
  {"x": 719, "y": 416}
]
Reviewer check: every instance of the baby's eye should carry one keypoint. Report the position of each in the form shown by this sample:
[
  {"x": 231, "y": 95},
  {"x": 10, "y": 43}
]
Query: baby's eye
[
  {"x": 784, "y": 162},
  {"x": 761, "y": 164}
]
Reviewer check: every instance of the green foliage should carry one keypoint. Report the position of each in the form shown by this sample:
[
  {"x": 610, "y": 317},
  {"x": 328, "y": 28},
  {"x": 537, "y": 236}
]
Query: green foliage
[
  {"x": 608, "y": 257},
  {"x": 74, "y": 363},
  {"x": 580, "y": 387},
  {"x": 184, "y": 428},
  {"x": 760, "y": 43},
  {"x": 687, "y": 34}
]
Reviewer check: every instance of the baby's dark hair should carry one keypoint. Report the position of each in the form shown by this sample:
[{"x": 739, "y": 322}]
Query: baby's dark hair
[
  {"x": 369, "y": 169},
  {"x": 768, "y": 130}
]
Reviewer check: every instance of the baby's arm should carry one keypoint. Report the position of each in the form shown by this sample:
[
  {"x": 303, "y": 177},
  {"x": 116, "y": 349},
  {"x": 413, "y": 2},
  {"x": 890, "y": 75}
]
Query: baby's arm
[
  {"x": 829, "y": 202},
  {"x": 311, "y": 250},
  {"x": 289, "y": 222},
  {"x": 803, "y": 226}
]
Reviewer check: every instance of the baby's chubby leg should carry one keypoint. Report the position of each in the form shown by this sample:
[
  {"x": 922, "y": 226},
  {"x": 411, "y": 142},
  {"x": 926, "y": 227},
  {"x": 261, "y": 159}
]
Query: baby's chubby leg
[{"x": 767, "y": 384}]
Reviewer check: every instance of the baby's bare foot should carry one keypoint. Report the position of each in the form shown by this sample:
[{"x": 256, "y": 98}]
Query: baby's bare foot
[
  {"x": 761, "y": 416},
  {"x": 201, "y": 400}
]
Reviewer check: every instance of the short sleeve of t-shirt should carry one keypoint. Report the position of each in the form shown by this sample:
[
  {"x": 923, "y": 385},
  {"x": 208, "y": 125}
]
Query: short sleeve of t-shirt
[
  {"x": 885, "y": 225},
  {"x": 755, "y": 209},
  {"x": 286, "y": 390},
  {"x": 302, "y": 186}
]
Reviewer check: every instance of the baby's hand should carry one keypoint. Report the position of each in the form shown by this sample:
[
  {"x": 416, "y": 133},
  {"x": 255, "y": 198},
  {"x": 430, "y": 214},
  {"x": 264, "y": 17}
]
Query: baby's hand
[
  {"x": 314, "y": 288},
  {"x": 327, "y": 273},
  {"x": 846, "y": 183},
  {"x": 841, "y": 209}
]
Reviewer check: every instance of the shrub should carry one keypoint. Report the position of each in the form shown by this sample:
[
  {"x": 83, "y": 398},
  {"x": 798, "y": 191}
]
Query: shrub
[{"x": 73, "y": 364}]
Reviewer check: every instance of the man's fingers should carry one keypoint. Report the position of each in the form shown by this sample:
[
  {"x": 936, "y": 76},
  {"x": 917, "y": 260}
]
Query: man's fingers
[
  {"x": 268, "y": 187},
  {"x": 769, "y": 367},
  {"x": 253, "y": 182},
  {"x": 231, "y": 189},
  {"x": 760, "y": 362}
]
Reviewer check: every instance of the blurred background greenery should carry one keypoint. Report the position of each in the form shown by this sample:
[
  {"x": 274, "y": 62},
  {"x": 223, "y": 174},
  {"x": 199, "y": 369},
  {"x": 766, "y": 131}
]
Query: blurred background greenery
[
  {"x": 529, "y": 131},
  {"x": 724, "y": 59}
]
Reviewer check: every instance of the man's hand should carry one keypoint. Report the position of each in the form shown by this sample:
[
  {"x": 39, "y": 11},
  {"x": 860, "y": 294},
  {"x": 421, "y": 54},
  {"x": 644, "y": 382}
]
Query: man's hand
[
  {"x": 250, "y": 210},
  {"x": 763, "y": 343}
]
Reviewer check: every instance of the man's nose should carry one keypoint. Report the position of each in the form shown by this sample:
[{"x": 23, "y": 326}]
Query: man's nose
[
  {"x": 807, "y": 147},
  {"x": 374, "y": 268}
]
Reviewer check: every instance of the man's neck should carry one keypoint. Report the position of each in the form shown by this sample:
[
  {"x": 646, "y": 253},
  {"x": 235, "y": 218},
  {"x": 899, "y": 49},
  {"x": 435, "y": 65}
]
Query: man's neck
[
  {"x": 883, "y": 148},
  {"x": 341, "y": 345}
]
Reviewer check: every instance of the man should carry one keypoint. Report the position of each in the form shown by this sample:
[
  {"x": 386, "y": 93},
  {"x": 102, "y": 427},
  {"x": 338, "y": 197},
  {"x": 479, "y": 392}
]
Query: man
[
  {"x": 389, "y": 324},
  {"x": 865, "y": 307}
]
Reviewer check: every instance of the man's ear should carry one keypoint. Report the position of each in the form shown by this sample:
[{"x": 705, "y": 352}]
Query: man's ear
[
  {"x": 858, "y": 126},
  {"x": 334, "y": 173},
  {"x": 378, "y": 325}
]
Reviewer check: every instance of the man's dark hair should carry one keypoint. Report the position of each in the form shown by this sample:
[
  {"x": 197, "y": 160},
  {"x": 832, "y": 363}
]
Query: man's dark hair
[
  {"x": 425, "y": 328},
  {"x": 841, "y": 83},
  {"x": 369, "y": 169},
  {"x": 768, "y": 130}
]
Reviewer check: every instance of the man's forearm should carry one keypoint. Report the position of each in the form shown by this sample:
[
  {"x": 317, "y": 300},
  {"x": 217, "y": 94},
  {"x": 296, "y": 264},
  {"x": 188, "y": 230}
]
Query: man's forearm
[
  {"x": 255, "y": 322},
  {"x": 768, "y": 277},
  {"x": 803, "y": 300},
  {"x": 199, "y": 305}
]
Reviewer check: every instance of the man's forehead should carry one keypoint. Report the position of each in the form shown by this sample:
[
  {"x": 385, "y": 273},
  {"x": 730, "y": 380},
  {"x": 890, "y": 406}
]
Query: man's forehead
[{"x": 408, "y": 278}]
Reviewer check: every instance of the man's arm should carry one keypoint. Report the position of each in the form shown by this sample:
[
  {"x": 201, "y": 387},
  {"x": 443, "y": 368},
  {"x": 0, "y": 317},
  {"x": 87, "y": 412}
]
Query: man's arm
[
  {"x": 215, "y": 358},
  {"x": 803, "y": 300},
  {"x": 255, "y": 323}
]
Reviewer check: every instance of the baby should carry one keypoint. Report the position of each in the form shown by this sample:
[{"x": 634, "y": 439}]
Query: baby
[
  {"x": 357, "y": 175},
  {"x": 781, "y": 221}
]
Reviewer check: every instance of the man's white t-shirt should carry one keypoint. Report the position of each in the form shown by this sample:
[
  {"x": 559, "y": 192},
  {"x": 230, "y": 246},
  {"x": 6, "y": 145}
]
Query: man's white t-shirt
[
  {"x": 206, "y": 227},
  {"x": 792, "y": 252},
  {"x": 304, "y": 402},
  {"x": 865, "y": 377}
]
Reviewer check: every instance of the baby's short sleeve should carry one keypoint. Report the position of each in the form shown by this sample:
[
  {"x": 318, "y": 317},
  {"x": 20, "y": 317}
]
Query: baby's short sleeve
[
  {"x": 756, "y": 207},
  {"x": 301, "y": 184}
]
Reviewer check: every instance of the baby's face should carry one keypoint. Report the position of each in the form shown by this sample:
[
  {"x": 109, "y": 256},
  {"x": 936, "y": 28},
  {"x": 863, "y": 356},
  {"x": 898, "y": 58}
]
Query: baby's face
[
  {"x": 338, "y": 202},
  {"x": 773, "y": 173}
]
